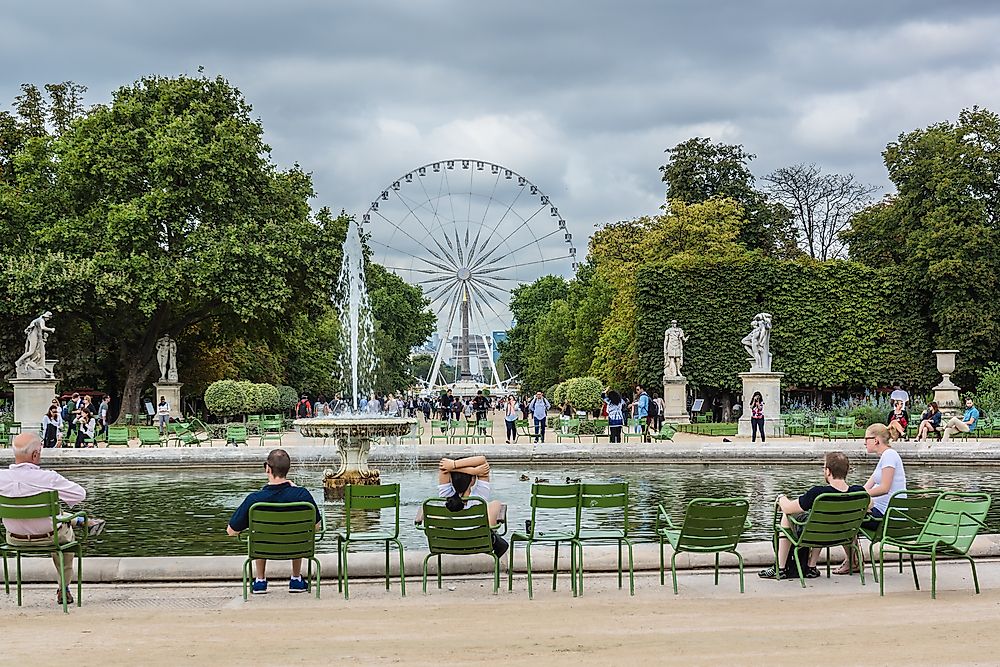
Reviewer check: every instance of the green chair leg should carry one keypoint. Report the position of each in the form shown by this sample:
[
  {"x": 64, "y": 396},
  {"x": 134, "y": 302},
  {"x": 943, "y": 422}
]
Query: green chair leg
[
  {"x": 717, "y": 569},
  {"x": 631, "y": 569},
  {"x": 6, "y": 575},
  {"x": 79, "y": 575},
  {"x": 402, "y": 570},
  {"x": 739, "y": 559},
  {"x": 347, "y": 581},
  {"x": 319, "y": 575},
  {"x": 496, "y": 574},
  {"x": 510, "y": 565},
  {"x": 933, "y": 574},
  {"x": 975, "y": 579},
  {"x": 798, "y": 565},
  {"x": 555, "y": 566},
  {"x": 673, "y": 570},
  {"x": 18, "y": 578},
  {"x": 387, "y": 565},
  {"x": 426, "y": 558},
  {"x": 861, "y": 561},
  {"x": 527, "y": 561},
  {"x": 439, "y": 571},
  {"x": 661, "y": 560}
]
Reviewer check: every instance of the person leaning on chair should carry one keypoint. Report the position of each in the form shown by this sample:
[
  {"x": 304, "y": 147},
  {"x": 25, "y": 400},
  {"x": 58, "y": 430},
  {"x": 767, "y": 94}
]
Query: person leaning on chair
[
  {"x": 25, "y": 478},
  {"x": 277, "y": 490},
  {"x": 835, "y": 467}
]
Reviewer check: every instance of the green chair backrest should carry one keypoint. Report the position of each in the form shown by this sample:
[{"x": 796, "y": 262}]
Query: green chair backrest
[
  {"x": 636, "y": 422},
  {"x": 484, "y": 423},
  {"x": 821, "y": 422},
  {"x": 273, "y": 418},
  {"x": 439, "y": 424},
  {"x": 915, "y": 417},
  {"x": 713, "y": 524},
  {"x": 845, "y": 422},
  {"x": 282, "y": 531},
  {"x": 149, "y": 434},
  {"x": 117, "y": 435},
  {"x": 459, "y": 533},
  {"x": 604, "y": 496},
  {"x": 956, "y": 520},
  {"x": 600, "y": 426},
  {"x": 253, "y": 419},
  {"x": 573, "y": 427},
  {"x": 555, "y": 498},
  {"x": 237, "y": 432},
  {"x": 270, "y": 425},
  {"x": 44, "y": 505},
  {"x": 908, "y": 512},
  {"x": 376, "y": 497},
  {"x": 834, "y": 519}
]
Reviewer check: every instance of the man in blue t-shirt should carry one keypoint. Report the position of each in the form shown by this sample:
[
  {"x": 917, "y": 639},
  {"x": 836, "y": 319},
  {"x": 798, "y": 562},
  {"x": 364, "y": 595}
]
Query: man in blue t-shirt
[
  {"x": 966, "y": 424},
  {"x": 278, "y": 490}
]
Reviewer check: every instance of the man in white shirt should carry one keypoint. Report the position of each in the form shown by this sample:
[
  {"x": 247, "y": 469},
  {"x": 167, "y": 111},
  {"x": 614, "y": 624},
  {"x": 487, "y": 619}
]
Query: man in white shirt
[{"x": 25, "y": 478}]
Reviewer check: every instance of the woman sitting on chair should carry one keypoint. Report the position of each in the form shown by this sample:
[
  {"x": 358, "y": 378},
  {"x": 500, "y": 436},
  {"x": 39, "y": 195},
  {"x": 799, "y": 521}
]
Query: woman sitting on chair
[
  {"x": 457, "y": 480},
  {"x": 930, "y": 422}
]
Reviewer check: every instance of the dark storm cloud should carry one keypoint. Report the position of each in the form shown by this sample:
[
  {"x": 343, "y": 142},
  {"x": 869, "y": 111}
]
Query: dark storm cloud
[{"x": 582, "y": 97}]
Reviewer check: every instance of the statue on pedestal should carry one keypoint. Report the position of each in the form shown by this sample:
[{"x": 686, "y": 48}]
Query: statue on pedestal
[
  {"x": 757, "y": 343},
  {"x": 31, "y": 364},
  {"x": 673, "y": 351},
  {"x": 166, "y": 357}
]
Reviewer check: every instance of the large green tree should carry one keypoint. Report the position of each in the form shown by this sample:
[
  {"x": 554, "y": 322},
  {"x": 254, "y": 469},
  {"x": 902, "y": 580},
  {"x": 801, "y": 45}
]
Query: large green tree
[
  {"x": 527, "y": 304},
  {"x": 943, "y": 228},
  {"x": 698, "y": 170},
  {"x": 157, "y": 213}
]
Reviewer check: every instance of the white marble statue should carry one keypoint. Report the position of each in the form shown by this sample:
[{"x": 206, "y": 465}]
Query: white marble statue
[
  {"x": 31, "y": 364},
  {"x": 166, "y": 357},
  {"x": 758, "y": 343},
  {"x": 673, "y": 351}
]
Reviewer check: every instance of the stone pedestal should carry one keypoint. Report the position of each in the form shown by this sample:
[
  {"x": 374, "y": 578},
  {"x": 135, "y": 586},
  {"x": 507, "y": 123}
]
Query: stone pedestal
[
  {"x": 769, "y": 386},
  {"x": 675, "y": 400},
  {"x": 946, "y": 393},
  {"x": 172, "y": 392},
  {"x": 32, "y": 398}
]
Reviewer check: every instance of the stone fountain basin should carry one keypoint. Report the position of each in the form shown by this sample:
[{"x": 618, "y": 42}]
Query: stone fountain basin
[{"x": 354, "y": 427}]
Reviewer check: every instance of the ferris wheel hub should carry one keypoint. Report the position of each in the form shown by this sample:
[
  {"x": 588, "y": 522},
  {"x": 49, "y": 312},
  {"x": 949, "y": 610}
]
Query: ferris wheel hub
[{"x": 464, "y": 274}]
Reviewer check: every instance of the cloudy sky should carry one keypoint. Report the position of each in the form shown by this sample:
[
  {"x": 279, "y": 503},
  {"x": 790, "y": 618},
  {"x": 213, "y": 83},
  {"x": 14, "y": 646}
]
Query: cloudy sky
[{"x": 579, "y": 97}]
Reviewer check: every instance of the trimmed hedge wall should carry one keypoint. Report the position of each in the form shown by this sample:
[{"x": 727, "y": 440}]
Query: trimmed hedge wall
[{"x": 835, "y": 324}]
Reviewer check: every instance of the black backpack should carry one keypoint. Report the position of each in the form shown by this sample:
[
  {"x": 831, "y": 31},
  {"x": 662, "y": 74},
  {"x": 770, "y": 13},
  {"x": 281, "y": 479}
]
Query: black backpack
[{"x": 654, "y": 409}]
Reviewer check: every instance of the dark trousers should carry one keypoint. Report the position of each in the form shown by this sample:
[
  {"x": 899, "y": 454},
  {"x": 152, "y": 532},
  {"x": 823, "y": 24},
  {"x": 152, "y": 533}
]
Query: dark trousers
[
  {"x": 615, "y": 433},
  {"x": 511, "y": 429},
  {"x": 756, "y": 423},
  {"x": 539, "y": 429}
]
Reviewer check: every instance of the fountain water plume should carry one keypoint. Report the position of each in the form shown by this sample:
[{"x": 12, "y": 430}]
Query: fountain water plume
[{"x": 357, "y": 359}]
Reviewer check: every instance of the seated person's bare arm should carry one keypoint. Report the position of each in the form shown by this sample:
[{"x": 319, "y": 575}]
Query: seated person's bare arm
[{"x": 471, "y": 465}]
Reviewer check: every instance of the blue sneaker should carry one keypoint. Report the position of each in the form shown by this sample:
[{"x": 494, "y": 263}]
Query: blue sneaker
[
  {"x": 259, "y": 586},
  {"x": 297, "y": 585}
]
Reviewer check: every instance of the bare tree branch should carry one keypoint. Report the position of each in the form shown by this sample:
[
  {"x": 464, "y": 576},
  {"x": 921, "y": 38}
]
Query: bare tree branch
[{"x": 821, "y": 204}]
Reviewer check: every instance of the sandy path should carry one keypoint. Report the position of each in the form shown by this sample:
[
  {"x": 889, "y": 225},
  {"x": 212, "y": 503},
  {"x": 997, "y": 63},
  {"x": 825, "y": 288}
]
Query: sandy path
[{"x": 775, "y": 623}]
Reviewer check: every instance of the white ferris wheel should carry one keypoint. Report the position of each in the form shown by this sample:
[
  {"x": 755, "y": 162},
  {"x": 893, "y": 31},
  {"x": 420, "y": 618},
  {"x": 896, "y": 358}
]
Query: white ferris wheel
[{"x": 467, "y": 232}]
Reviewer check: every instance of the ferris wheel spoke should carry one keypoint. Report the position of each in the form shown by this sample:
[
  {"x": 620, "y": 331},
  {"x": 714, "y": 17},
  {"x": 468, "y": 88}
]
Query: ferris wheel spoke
[
  {"x": 497, "y": 299},
  {"x": 533, "y": 241},
  {"x": 415, "y": 270},
  {"x": 503, "y": 239},
  {"x": 437, "y": 279},
  {"x": 451, "y": 200},
  {"x": 419, "y": 243},
  {"x": 404, "y": 253},
  {"x": 449, "y": 255},
  {"x": 445, "y": 296},
  {"x": 458, "y": 246},
  {"x": 482, "y": 223},
  {"x": 523, "y": 264},
  {"x": 502, "y": 218},
  {"x": 481, "y": 297},
  {"x": 485, "y": 282},
  {"x": 424, "y": 227}
]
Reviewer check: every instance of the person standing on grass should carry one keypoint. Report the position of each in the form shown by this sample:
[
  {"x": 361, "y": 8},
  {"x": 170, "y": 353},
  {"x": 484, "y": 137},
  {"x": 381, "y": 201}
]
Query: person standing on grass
[{"x": 277, "y": 490}]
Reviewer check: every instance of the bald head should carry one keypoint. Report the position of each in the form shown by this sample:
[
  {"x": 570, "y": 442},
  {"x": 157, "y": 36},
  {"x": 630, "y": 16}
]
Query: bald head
[{"x": 26, "y": 445}]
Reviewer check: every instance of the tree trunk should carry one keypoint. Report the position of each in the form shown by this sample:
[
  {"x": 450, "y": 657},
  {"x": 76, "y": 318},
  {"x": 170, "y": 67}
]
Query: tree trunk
[{"x": 136, "y": 377}]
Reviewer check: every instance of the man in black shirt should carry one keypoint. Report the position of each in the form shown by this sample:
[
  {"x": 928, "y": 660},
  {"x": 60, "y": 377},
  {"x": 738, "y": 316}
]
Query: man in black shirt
[{"x": 835, "y": 466}]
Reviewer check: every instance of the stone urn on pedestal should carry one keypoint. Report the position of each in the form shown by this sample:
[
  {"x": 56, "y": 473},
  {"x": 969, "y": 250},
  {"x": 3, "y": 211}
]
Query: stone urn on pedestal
[
  {"x": 353, "y": 437},
  {"x": 946, "y": 393}
]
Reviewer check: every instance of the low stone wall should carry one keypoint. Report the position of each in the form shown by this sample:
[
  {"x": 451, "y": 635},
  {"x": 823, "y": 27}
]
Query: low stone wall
[{"x": 598, "y": 558}]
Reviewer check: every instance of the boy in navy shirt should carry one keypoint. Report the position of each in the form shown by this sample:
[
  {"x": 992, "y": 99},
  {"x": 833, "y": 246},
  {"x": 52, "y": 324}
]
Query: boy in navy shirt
[{"x": 278, "y": 490}]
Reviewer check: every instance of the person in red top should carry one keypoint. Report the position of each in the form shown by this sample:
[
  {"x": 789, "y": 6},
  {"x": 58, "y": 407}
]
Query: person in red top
[
  {"x": 897, "y": 421},
  {"x": 303, "y": 410}
]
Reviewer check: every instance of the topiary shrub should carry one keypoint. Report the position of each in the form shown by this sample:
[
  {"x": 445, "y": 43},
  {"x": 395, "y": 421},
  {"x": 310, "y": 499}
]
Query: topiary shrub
[
  {"x": 584, "y": 393},
  {"x": 270, "y": 399},
  {"x": 251, "y": 397},
  {"x": 287, "y": 398},
  {"x": 225, "y": 398},
  {"x": 559, "y": 394}
]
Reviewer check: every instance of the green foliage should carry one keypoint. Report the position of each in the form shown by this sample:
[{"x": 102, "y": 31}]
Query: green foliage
[
  {"x": 942, "y": 228},
  {"x": 831, "y": 324},
  {"x": 559, "y": 394},
  {"x": 225, "y": 398},
  {"x": 987, "y": 395},
  {"x": 528, "y": 303},
  {"x": 251, "y": 396},
  {"x": 402, "y": 321},
  {"x": 270, "y": 398},
  {"x": 547, "y": 346},
  {"x": 699, "y": 171},
  {"x": 584, "y": 393},
  {"x": 287, "y": 398}
]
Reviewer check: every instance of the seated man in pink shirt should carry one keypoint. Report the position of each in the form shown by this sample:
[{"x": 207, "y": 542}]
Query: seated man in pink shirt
[{"x": 25, "y": 478}]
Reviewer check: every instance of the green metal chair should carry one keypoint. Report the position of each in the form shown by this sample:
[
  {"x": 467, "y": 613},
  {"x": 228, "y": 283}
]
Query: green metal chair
[
  {"x": 711, "y": 525},
  {"x": 949, "y": 530},
  {"x": 271, "y": 430},
  {"x": 524, "y": 428},
  {"x": 601, "y": 429},
  {"x": 416, "y": 434},
  {"x": 572, "y": 431},
  {"x": 834, "y": 521},
  {"x": 629, "y": 431},
  {"x": 597, "y": 502},
  {"x": 236, "y": 435},
  {"x": 666, "y": 432},
  {"x": 440, "y": 430},
  {"x": 5, "y": 436},
  {"x": 461, "y": 533},
  {"x": 551, "y": 502},
  {"x": 913, "y": 424},
  {"x": 820, "y": 428},
  {"x": 485, "y": 430},
  {"x": 795, "y": 424},
  {"x": 369, "y": 498},
  {"x": 908, "y": 512},
  {"x": 283, "y": 531},
  {"x": 252, "y": 420},
  {"x": 184, "y": 436},
  {"x": 842, "y": 428},
  {"x": 149, "y": 436},
  {"x": 43, "y": 505}
]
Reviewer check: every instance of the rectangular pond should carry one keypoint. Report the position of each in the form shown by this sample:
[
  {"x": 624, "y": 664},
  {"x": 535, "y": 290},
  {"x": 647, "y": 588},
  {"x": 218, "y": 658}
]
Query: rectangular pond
[{"x": 185, "y": 512}]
